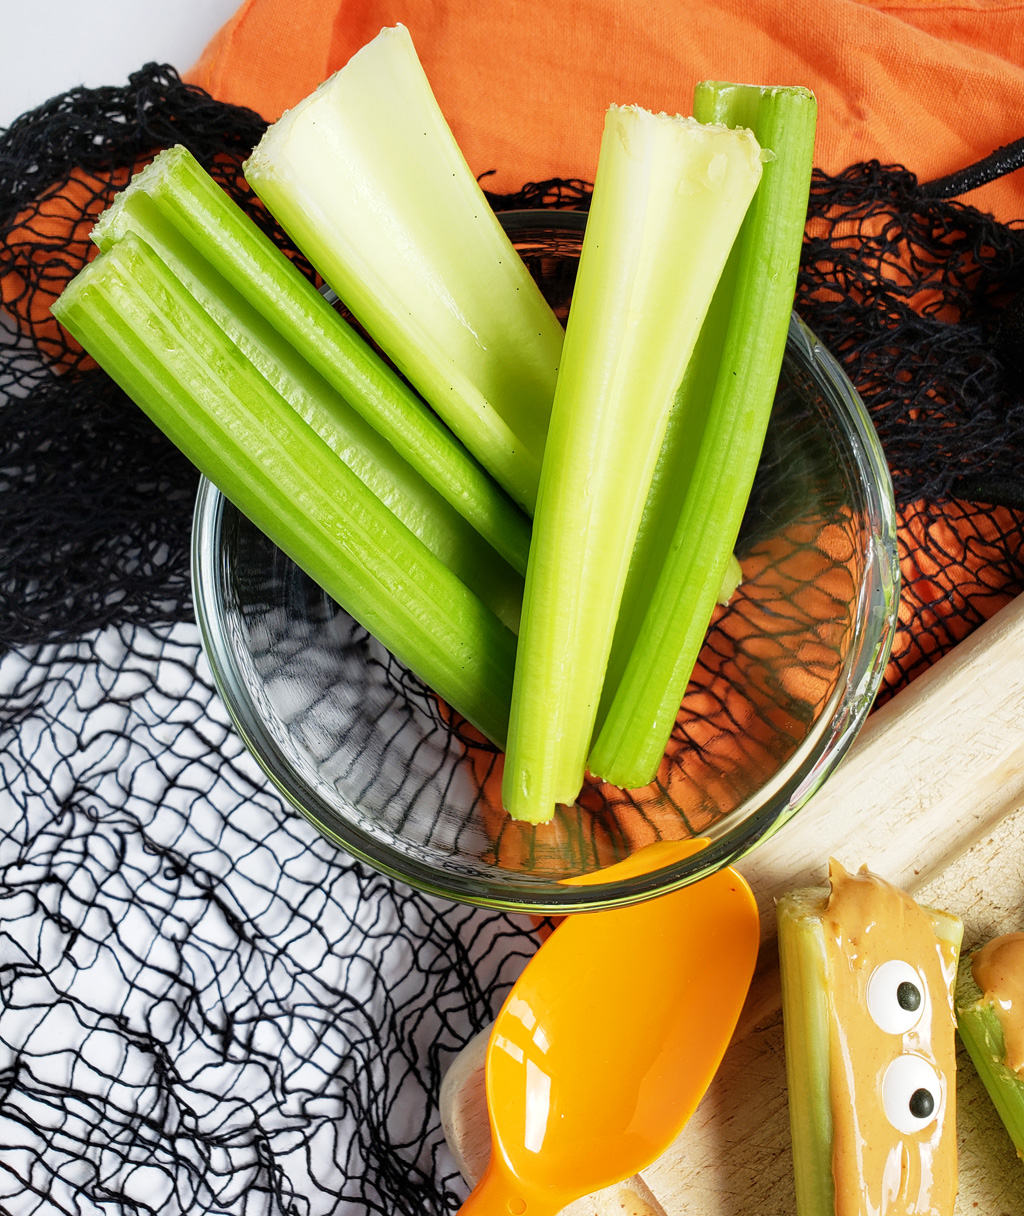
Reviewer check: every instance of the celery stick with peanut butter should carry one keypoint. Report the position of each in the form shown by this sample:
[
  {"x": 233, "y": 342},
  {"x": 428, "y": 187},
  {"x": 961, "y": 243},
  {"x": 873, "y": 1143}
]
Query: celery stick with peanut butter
[
  {"x": 990, "y": 1018},
  {"x": 867, "y": 984}
]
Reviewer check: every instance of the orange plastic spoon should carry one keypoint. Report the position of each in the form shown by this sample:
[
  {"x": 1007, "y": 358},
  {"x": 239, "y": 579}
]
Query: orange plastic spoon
[{"x": 610, "y": 1037}]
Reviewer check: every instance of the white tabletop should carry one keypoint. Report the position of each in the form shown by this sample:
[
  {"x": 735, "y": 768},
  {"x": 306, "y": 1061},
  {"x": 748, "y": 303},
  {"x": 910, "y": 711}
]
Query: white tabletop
[{"x": 52, "y": 45}]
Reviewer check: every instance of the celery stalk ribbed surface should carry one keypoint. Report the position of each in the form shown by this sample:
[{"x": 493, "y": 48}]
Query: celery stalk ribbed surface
[
  {"x": 147, "y": 331},
  {"x": 669, "y": 197},
  {"x": 367, "y": 179},
  {"x": 178, "y": 192},
  {"x": 250, "y": 320},
  {"x": 726, "y": 403}
]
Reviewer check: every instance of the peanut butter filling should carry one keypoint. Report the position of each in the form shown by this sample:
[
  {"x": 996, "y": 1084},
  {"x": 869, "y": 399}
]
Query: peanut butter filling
[
  {"x": 998, "y": 970},
  {"x": 892, "y": 1052}
]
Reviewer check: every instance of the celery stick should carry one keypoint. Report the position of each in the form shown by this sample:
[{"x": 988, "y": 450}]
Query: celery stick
[
  {"x": 818, "y": 1041},
  {"x": 140, "y": 324},
  {"x": 982, "y": 1034},
  {"x": 669, "y": 605},
  {"x": 174, "y": 188},
  {"x": 804, "y": 968},
  {"x": 366, "y": 452},
  {"x": 368, "y": 180},
  {"x": 669, "y": 197}
]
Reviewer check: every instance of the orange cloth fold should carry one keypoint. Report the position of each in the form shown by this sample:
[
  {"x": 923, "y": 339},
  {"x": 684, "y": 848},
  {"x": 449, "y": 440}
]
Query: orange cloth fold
[{"x": 931, "y": 84}]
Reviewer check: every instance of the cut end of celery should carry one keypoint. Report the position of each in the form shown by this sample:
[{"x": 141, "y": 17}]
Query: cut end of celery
[
  {"x": 526, "y": 811},
  {"x": 393, "y": 40},
  {"x": 113, "y": 224},
  {"x": 723, "y": 87},
  {"x": 716, "y": 142}
]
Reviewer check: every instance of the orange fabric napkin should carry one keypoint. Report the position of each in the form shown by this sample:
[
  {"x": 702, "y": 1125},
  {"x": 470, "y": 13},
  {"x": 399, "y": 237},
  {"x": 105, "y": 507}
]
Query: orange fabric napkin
[{"x": 931, "y": 84}]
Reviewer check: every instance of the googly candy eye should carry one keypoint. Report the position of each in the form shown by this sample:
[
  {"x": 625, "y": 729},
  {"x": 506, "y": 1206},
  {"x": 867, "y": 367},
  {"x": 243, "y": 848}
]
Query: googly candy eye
[
  {"x": 911, "y": 1093},
  {"x": 896, "y": 996}
]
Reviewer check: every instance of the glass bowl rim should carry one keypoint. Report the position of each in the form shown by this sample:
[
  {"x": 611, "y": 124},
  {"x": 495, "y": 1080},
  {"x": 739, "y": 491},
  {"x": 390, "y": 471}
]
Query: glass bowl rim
[{"x": 788, "y": 791}]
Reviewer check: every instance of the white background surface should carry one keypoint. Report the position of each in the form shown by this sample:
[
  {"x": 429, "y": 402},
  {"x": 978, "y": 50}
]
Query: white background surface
[{"x": 48, "y": 46}]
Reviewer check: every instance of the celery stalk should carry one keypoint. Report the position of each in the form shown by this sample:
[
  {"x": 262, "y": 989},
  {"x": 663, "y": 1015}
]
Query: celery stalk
[
  {"x": 368, "y": 180},
  {"x": 176, "y": 191},
  {"x": 808, "y": 1020},
  {"x": 145, "y": 329},
  {"x": 804, "y": 967},
  {"x": 368, "y": 453},
  {"x": 669, "y": 197},
  {"x": 726, "y": 404},
  {"x": 982, "y": 1034}
]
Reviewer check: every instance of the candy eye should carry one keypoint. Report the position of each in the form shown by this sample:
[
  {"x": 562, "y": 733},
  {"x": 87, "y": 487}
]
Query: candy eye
[
  {"x": 911, "y": 1093},
  {"x": 896, "y": 997}
]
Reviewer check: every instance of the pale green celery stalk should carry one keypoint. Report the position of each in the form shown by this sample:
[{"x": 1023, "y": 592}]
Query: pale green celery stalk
[
  {"x": 366, "y": 452},
  {"x": 667, "y": 496},
  {"x": 982, "y": 1034},
  {"x": 803, "y": 965},
  {"x": 366, "y": 177},
  {"x": 741, "y": 350},
  {"x": 175, "y": 188},
  {"x": 145, "y": 329},
  {"x": 669, "y": 197}
]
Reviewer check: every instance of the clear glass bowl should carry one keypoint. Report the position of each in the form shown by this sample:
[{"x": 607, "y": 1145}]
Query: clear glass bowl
[{"x": 786, "y": 677}]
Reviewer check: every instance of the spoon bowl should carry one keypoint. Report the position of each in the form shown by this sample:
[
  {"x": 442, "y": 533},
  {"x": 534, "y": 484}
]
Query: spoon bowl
[{"x": 610, "y": 1037}]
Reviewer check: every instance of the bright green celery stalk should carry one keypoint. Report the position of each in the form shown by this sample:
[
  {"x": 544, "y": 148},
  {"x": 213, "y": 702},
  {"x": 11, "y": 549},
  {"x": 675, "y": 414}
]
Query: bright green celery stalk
[
  {"x": 982, "y": 1034},
  {"x": 725, "y": 406},
  {"x": 176, "y": 190},
  {"x": 146, "y": 330},
  {"x": 803, "y": 963},
  {"x": 247, "y": 319},
  {"x": 366, "y": 177},
  {"x": 669, "y": 197}
]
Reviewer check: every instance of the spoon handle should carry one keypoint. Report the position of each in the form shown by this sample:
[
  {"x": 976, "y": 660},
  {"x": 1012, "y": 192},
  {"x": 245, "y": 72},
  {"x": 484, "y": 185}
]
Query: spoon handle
[
  {"x": 463, "y": 1106},
  {"x": 499, "y": 1194}
]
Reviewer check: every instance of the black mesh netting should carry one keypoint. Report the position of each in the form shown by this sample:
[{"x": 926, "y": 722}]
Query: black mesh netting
[{"x": 205, "y": 1006}]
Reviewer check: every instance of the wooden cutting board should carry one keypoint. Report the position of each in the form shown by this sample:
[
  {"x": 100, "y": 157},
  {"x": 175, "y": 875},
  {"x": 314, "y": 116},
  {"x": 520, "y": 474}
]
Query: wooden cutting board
[{"x": 931, "y": 797}]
